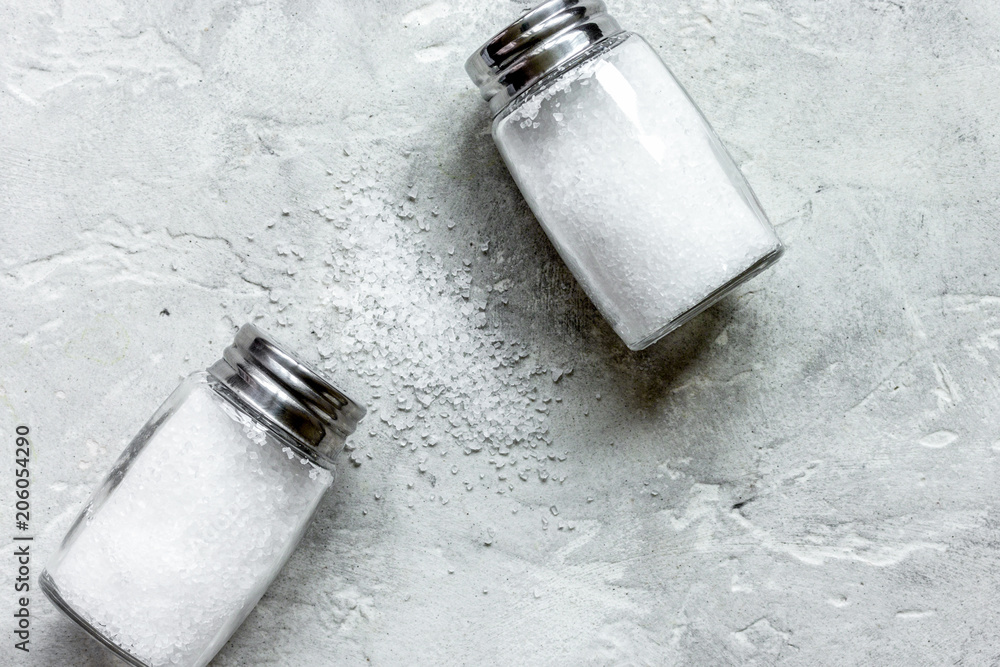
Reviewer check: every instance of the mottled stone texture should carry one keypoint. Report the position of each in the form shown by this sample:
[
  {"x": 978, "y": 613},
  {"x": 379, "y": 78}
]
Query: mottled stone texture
[{"x": 805, "y": 474}]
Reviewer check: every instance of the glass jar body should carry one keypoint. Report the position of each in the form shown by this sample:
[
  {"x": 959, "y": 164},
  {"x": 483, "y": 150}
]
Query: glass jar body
[
  {"x": 186, "y": 532},
  {"x": 634, "y": 189}
]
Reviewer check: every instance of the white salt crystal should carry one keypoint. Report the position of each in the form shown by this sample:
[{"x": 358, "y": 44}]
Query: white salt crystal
[
  {"x": 189, "y": 539},
  {"x": 635, "y": 191}
]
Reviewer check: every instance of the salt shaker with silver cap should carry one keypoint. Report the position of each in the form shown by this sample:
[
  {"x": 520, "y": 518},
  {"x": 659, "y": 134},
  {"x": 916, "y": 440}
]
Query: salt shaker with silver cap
[
  {"x": 629, "y": 181},
  {"x": 204, "y": 507}
]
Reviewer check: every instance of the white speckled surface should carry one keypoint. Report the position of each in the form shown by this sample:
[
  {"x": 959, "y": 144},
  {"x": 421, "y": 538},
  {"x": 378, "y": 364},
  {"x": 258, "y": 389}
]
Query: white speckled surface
[{"x": 823, "y": 446}]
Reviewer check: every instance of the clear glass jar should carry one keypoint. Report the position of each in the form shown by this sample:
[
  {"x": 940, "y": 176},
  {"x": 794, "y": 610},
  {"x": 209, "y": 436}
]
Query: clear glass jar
[
  {"x": 203, "y": 508},
  {"x": 628, "y": 179}
]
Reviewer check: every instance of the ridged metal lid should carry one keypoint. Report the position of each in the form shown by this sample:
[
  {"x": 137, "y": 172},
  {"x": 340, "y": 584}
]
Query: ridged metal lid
[
  {"x": 542, "y": 40},
  {"x": 287, "y": 394}
]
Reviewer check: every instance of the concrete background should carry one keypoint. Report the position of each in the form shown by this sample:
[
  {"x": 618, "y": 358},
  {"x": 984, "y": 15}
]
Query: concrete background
[{"x": 806, "y": 474}]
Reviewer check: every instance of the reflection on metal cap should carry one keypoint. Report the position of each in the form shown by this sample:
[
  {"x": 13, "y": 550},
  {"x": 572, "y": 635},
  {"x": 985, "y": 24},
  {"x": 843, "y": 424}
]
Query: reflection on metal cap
[
  {"x": 544, "y": 39},
  {"x": 287, "y": 394}
]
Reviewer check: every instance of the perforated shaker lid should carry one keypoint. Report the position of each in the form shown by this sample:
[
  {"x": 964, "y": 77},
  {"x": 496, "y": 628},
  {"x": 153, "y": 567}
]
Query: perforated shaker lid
[
  {"x": 541, "y": 41},
  {"x": 287, "y": 393}
]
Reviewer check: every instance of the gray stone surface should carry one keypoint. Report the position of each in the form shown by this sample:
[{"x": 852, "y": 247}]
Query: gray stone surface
[{"x": 806, "y": 474}]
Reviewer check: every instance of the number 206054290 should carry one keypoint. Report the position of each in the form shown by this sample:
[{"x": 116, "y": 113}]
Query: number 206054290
[{"x": 22, "y": 504}]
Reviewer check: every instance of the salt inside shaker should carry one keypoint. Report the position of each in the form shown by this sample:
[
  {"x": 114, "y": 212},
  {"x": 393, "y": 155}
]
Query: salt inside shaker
[
  {"x": 204, "y": 507},
  {"x": 629, "y": 181}
]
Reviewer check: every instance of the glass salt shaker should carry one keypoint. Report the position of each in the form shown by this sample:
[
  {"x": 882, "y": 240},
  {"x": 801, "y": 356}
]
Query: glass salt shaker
[
  {"x": 204, "y": 507},
  {"x": 629, "y": 181}
]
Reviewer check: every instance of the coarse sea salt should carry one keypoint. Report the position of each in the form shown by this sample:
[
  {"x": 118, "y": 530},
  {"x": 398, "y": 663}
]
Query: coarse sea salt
[
  {"x": 627, "y": 178},
  {"x": 195, "y": 520}
]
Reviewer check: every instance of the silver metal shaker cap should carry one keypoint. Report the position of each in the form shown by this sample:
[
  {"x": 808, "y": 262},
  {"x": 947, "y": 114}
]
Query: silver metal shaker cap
[
  {"x": 287, "y": 394},
  {"x": 544, "y": 39}
]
